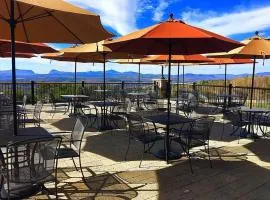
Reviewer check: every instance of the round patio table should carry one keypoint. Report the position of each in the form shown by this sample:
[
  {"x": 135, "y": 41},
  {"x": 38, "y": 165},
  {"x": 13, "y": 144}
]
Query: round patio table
[
  {"x": 252, "y": 114},
  {"x": 76, "y": 99},
  {"x": 226, "y": 98},
  {"x": 174, "y": 119},
  {"x": 105, "y": 109},
  {"x": 138, "y": 96}
]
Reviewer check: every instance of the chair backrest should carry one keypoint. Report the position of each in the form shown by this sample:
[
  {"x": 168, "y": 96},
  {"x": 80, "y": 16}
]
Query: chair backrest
[
  {"x": 24, "y": 101},
  {"x": 136, "y": 126},
  {"x": 52, "y": 98},
  {"x": 234, "y": 116},
  {"x": 202, "y": 126},
  {"x": 78, "y": 132},
  {"x": 128, "y": 105},
  {"x": 29, "y": 162},
  {"x": 193, "y": 100},
  {"x": 6, "y": 120},
  {"x": 37, "y": 110}
]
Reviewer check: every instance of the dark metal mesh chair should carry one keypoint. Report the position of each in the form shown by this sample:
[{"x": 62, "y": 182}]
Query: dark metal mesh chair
[
  {"x": 27, "y": 166},
  {"x": 196, "y": 136},
  {"x": 143, "y": 132},
  {"x": 56, "y": 105},
  {"x": 188, "y": 103},
  {"x": 35, "y": 118},
  {"x": 71, "y": 147},
  {"x": 238, "y": 120}
]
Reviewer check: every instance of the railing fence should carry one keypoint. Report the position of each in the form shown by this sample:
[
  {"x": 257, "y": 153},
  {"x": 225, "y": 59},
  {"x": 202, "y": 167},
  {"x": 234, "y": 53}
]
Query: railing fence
[{"x": 41, "y": 90}]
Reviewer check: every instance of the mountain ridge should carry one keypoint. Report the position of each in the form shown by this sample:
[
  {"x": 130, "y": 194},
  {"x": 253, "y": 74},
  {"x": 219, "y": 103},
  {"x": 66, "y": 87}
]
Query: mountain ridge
[{"x": 111, "y": 75}]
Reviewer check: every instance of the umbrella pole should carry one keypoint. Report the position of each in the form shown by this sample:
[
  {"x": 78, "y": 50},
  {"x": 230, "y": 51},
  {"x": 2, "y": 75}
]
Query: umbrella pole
[
  {"x": 104, "y": 88},
  {"x": 252, "y": 83},
  {"x": 13, "y": 61},
  {"x": 183, "y": 78},
  {"x": 75, "y": 87},
  {"x": 75, "y": 77},
  {"x": 168, "y": 104},
  {"x": 225, "y": 79},
  {"x": 139, "y": 75},
  {"x": 177, "y": 86},
  {"x": 162, "y": 72}
]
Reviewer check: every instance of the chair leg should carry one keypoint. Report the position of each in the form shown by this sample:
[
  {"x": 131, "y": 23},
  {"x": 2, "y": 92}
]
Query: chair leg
[
  {"x": 80, "y": 163},
  {"x": 74, "y": 164},
  {"x": 54, "y": 111},
  {"x": 142, "y": 155},
  {"x": 127, "y": 149},
  {"x": 209, "y": 158},
  {"x": 190, "y": 163}
]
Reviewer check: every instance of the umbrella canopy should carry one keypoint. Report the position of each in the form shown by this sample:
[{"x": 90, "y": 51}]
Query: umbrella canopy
[
  {"x": 182, "y": 38},
  {"x": 50, "y": 21},
  {"x": 97, "y": 51},
  {"x": 172, "y": 37},
  {"x": 61, "y": 56},
  {"x": 18, "y": 55},
  {"x": 197, "y": 58},
  {"x": 34, "y": 48},
  {"x": 46, "y": 21},
  {"x": 255, "y": 47}
]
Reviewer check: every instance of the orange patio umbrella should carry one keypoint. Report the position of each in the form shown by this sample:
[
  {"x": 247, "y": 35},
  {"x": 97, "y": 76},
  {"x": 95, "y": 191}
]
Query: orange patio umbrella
[
  {"x": 18, "y": 55},
  {"x": 255, "y": 47},
  {"x": 46, "y": 21},
  {"x": 24, "y": 47},
  {"x": 172, "y": 37}
]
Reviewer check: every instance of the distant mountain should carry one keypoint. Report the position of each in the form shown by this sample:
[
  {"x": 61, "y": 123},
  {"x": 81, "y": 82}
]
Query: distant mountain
[{"x": 111, "y": 75}]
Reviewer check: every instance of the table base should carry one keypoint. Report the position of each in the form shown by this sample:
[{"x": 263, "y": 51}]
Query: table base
[{"x": 172, "y": 155}]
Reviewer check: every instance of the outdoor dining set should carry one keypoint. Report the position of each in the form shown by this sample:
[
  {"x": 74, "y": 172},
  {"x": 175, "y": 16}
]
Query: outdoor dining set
[{"x": 29, "y": 154}]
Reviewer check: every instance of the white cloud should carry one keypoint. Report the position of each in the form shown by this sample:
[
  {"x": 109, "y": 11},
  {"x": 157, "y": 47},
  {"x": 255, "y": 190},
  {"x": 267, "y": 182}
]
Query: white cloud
[
  {"x": 159, "y": 11},
  {"x": 121, "y": 15},
  {"x": 230, "y": 23}
]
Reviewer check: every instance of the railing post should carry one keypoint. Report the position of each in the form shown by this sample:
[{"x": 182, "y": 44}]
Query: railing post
[
  {"x": 155, "y": 86},
  {"x": 194, "y": 86},
  {"x": 230, "y": 93},
  {"x": 33, "y": 92},
  {"x": 123, "y": 85}
]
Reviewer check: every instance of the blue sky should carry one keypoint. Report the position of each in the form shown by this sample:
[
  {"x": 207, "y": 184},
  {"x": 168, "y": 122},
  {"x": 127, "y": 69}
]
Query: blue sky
[{"x": 237, "y": 19}]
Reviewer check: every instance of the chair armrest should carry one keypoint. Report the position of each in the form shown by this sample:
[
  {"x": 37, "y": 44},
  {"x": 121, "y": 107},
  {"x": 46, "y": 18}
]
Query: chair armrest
[{"x": 61, "y": 133}]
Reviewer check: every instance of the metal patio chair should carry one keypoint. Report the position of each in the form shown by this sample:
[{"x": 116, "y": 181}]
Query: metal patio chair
[
  {"x": 196, "y": 135},
  {"x": 27, "y": 165},
  {"x": 72, "y": 141},
  {"x": 35, "y": 119},
  {"x": 142, "y": 131},
  {"x": 238, "y": 120},
  {"x": 57, "y": 105}
]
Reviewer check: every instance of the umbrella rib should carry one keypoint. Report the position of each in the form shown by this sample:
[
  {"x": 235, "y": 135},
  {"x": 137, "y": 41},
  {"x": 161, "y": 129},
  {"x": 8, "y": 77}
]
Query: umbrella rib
[
  {"x": 3, "y": 18},
  {"x": 7, "y": 9},
  {"x": 57, "y": 20},
  {"x": 42, "y": 15},
  {"x": 21, "y": 16}
]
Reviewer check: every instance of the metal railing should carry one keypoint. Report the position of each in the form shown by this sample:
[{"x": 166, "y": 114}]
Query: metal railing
[{"x": 41, "y": 90}]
